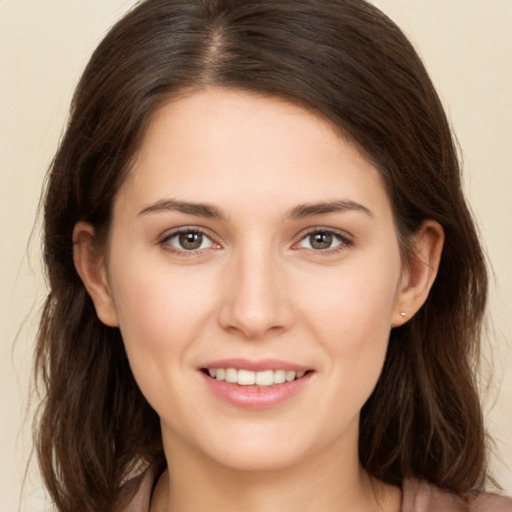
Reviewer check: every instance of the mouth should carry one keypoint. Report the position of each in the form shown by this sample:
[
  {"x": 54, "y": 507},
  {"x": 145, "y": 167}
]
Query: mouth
[
  {"x": 256, "y": 384},
  {"x": 264, "y": 378}
]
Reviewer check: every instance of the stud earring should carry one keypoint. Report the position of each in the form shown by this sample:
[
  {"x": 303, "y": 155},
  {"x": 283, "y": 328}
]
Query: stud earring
[{"x": 402, "y": 314}]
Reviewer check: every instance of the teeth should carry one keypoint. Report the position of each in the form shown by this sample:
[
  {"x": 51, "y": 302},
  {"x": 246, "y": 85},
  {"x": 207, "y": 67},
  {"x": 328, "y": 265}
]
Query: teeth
[
  {"x": 279, "y": 376},
  {"x": 231, "y": 375},
  {"x": 246, "y": 378},
  {"x": 249, "y": 378},
  {"x": 265, "y": 378}
]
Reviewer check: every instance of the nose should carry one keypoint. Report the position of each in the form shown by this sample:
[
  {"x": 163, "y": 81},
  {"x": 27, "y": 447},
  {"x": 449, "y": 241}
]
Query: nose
[{"x": 256, "y": 302}]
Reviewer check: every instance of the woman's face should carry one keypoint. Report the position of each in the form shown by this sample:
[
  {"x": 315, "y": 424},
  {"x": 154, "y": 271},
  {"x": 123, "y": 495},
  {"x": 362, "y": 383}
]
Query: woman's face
[{"x": 251, "y": 240}]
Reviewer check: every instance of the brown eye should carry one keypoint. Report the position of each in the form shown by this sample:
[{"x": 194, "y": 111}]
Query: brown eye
[
  {"x": 189, "y": 241},
  {"x": 323, "y": 240},
  {"x": 320, "y": 241}
]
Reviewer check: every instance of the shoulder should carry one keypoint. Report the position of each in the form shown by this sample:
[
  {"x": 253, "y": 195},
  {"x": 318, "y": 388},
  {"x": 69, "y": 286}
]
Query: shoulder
[
  {"x": 419, "y": 496},
  {"x": 135, "y": 494}
]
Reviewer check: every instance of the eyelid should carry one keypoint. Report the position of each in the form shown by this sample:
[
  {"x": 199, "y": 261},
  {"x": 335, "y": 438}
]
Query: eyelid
[
  {"x": 171, "y": 233},
  {"x": 346, "y": 239}
]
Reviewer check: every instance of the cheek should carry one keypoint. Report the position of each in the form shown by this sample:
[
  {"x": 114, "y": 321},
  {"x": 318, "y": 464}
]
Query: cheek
[
  {"x": 352, "y": 302},
  {"x": 161, "y": 316},
  {"x": 160, "y": 311},
  {"x": 352, "y": 319}
]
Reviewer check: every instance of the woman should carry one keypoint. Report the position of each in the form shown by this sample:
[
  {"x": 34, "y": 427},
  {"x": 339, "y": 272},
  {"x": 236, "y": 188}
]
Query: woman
[{"x": 266, "y": 287}]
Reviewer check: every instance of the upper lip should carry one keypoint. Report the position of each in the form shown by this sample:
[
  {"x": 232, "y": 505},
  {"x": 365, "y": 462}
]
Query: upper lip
[{"x": 258, "y": 365}]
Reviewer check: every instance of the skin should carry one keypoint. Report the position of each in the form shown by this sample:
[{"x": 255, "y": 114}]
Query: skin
[{"x": 256, "y": 289}]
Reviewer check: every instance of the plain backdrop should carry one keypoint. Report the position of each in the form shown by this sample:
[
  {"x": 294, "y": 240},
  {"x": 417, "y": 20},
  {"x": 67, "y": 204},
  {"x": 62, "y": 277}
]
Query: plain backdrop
[{"x": 44, "y": 45}]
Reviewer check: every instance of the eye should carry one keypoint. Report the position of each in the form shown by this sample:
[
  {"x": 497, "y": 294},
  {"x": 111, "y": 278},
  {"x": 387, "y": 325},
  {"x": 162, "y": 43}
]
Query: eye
[
  {"x": 323, "y": 240},
  {"x": 188, "y": 240}
]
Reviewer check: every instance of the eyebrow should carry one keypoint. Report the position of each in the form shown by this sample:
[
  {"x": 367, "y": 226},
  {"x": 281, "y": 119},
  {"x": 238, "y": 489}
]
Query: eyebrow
[
  {"x": 197, "y": 209},
  {"x": 301, "y": 211},
  {"x": 338, "y": 205}
]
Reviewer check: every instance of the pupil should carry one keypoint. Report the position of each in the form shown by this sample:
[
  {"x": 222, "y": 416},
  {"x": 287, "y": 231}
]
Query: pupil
[
  {"x": 321, "y": 240},
  {"x": 191, "y": 241}
]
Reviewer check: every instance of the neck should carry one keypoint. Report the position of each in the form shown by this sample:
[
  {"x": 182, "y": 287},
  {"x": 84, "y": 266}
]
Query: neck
[{"x": 332, "y": 482}]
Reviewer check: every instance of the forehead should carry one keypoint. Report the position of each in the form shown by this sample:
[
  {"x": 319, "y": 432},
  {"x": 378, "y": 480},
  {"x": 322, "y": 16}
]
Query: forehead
[{"x": 218, "y": 145}]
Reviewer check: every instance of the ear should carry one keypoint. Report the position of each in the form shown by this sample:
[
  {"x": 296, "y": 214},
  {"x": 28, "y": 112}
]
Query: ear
[
  {"x": 90, "y": 265},
  {"x": 418, "y": 277}
]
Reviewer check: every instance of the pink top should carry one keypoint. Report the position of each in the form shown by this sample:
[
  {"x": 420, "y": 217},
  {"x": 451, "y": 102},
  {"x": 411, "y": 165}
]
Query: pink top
[{"x": 416, "y": 497}]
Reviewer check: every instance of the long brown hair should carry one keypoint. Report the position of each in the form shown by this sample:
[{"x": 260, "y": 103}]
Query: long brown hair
[{"x": 346, "y": 61}]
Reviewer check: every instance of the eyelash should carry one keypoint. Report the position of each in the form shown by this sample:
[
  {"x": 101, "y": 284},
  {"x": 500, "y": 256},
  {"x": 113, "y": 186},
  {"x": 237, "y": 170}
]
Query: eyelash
[
  {"x": 344, "y": 241},
  {"x": 164, "y": 241}
]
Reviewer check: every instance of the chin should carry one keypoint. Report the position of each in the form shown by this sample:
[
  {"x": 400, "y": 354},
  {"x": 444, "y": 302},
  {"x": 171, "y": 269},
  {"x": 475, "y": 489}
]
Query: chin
[
  {"x": 261, "y": 450},
  {"x": 261, "y": 460}
]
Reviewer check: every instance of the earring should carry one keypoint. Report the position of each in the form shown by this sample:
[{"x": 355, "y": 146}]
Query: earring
[{"x": 402, "y": 314}]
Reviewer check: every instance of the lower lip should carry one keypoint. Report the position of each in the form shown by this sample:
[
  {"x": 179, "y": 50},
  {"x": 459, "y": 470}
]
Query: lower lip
[{"x": 254, "y": 397}]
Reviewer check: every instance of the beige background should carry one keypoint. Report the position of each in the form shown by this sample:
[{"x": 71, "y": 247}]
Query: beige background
[{"x": 44, "y": 44}]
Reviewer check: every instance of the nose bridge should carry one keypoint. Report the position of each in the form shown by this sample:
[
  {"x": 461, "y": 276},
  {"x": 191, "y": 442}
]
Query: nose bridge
[{"x": 256, "y": 301}]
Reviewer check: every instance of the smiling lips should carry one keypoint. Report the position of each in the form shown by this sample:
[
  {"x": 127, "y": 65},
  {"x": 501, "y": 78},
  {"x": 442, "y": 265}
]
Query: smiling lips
[
  {"x": 255, "y": 385},
  {"x": 251, "y": 378}
]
